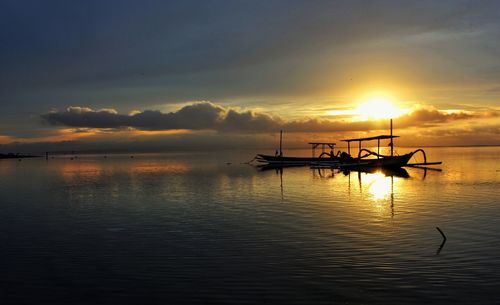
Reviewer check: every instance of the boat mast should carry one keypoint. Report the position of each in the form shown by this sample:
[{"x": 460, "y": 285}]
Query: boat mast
[
  {"x": 281, "y": 142},
  {"x": 392, "y": 142}
]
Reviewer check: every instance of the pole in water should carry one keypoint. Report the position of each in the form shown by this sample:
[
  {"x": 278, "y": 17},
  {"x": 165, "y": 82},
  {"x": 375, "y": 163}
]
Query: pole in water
[
  {"x": 442, "y": 244},
  {"x": 442, "y": 234},
  {"x": 281, "y": 142}
]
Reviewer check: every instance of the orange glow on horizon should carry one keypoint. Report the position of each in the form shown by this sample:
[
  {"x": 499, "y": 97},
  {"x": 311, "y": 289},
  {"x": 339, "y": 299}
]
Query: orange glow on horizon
[
  {"x": 6, "y": 140},
  {"x": 61, "y": 135},
  {"x": 72, "y": 134},
  {"x": 159, "y": 132}
]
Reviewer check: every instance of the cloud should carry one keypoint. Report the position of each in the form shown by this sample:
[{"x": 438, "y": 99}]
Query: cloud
[
  {"x": 191, "y": 38},
  {"x": 210, "y": 116},
  {"x": 429, "y": 115},
  {"x": 197, "y": 116},
  {"x": 206, "y": 126}
]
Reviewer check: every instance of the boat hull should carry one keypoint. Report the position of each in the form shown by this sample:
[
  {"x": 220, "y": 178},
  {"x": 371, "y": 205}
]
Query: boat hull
[
  {"x": 280, "y": 160},
  {"x": 387, "y": 162}
]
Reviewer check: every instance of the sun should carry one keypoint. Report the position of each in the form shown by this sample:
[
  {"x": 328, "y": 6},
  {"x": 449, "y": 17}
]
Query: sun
[{"x": 378, "y": 108}]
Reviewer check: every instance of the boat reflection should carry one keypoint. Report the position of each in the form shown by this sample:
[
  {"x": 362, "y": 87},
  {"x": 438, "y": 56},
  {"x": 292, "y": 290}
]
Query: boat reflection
[
  {"x": 376, "y": 185},
  {"x": 387, "y": 172},
  {"x": 330, "y": 171},
  {"x": 276, "y": 167}
]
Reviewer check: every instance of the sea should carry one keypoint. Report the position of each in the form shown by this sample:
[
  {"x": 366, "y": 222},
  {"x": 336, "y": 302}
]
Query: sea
[{"x": 209, "y": 228}]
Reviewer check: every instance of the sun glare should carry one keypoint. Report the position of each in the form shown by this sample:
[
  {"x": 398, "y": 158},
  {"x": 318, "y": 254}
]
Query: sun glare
[
  {"x": 371, "y": 108},
  {"x": 380, "y": 188},
  {"x": 378, "y": 108}
]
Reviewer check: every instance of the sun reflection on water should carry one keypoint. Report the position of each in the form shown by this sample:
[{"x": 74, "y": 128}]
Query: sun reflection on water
[
  {"x": 377, "y": 190},
  {"x": 380, "y": 186}
]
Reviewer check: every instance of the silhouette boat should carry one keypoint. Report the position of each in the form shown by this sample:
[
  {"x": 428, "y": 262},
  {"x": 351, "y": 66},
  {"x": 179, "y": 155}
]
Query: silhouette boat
[
  {"x": 280, "y": 160},
  {"x": 365, "y": 159},
  {"x": 326, "y": 158},
  {"x": 368, "y": 158}
]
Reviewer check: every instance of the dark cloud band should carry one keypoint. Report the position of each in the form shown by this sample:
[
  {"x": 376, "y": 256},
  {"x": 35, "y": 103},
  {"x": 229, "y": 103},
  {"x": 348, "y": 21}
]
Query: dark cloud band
[
  {"x": 197, "y": 116},
  {"x": 209, "y": 116}
]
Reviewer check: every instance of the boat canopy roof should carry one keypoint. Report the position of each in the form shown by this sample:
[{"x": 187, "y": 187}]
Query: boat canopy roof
[
  {"x": 321, "y": 143},
  {"x": 381, "y": 137}
]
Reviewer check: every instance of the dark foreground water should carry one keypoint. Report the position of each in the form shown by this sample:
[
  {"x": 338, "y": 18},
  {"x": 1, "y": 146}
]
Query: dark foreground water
[{"x": 191, "y": 229}]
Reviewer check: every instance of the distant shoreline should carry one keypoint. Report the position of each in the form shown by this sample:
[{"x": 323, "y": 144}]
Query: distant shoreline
[{"x": 16, "y": 156}]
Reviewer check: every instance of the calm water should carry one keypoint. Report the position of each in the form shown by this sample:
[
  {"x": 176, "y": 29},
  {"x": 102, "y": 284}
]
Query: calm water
[{"x": 191, "y": 229}]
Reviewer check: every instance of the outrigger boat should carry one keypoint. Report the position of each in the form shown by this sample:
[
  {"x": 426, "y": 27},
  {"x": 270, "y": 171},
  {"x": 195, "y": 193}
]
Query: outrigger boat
[
  {"x": 365, "y": 159},
  {"x": 362, "y": 160}
]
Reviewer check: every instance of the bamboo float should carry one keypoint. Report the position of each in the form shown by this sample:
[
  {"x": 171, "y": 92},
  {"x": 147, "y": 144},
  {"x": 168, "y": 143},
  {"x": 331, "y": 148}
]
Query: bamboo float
[{"x": 424, "y": 163}]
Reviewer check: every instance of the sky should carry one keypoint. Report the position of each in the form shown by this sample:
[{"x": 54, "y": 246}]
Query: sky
[{"x": 161, "y": 75}]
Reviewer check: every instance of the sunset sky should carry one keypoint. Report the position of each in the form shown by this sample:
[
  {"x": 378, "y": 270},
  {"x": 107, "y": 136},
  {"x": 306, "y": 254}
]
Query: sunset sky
[{"x": 152, "y": 75}]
